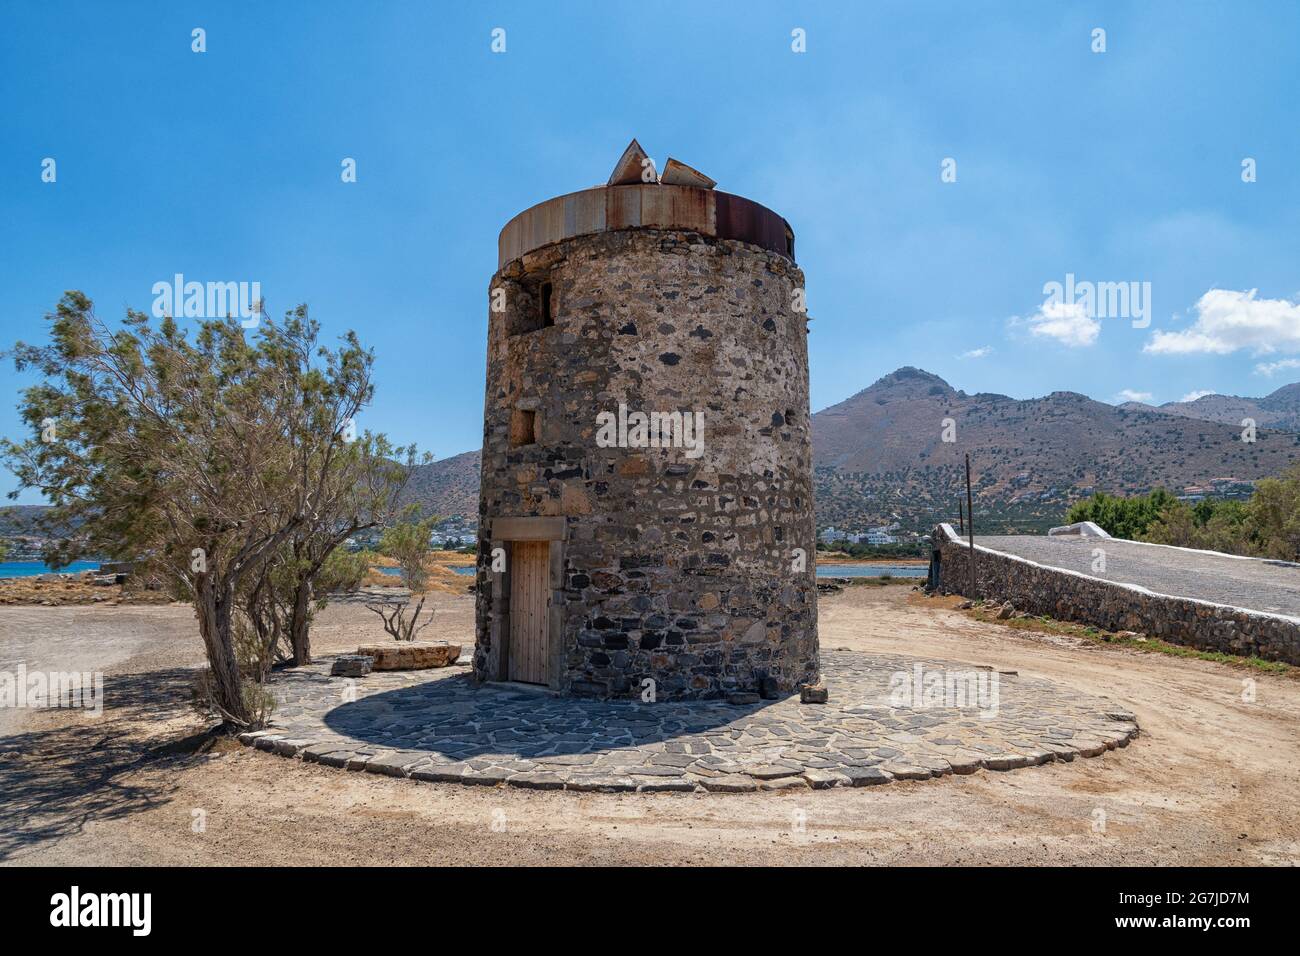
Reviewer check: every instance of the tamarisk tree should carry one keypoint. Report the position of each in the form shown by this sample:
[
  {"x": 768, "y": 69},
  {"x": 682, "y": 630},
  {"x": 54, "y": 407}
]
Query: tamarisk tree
[
  {"x": 357, "y": 491},
  {"x": 215, "y": 463}
]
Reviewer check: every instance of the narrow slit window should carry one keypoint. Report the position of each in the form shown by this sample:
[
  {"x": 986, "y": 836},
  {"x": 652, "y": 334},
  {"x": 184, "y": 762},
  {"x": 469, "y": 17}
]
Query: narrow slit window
[{"x": 548, "y": 317}]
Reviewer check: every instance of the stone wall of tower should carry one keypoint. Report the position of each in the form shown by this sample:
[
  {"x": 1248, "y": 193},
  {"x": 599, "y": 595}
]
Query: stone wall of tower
[{"x": 696, "y": 572}]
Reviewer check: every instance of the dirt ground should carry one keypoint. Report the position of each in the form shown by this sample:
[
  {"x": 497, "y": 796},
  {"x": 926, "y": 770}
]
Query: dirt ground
[{"x": 1211, "y": 780}]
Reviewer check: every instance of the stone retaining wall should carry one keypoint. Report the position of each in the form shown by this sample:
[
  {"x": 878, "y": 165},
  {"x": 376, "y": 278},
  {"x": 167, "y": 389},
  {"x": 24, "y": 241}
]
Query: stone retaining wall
[{"x": 1070, "y": 596}]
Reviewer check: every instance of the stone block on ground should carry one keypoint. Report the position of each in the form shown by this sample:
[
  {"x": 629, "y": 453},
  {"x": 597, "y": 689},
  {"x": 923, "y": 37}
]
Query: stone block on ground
[
  {"x": 813, "y": 694},
  {"x": 410, "y": 655},
  {"x": 351, "y": 665}
]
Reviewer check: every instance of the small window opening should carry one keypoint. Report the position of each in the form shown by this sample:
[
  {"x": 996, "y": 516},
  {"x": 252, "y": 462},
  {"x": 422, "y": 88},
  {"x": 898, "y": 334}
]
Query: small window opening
[
  {"x": 547, "y": 318},
  {"x": 523, "y": 427},
  {"x": 533, "y": 306}
]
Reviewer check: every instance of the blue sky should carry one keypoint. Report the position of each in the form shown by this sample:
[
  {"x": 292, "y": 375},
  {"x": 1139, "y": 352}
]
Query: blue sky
[{"x": 1114, "y": 167}]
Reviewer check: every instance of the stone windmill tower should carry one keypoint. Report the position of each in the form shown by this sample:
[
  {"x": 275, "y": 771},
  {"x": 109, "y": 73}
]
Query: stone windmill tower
[{"x": 646, "y": 512}]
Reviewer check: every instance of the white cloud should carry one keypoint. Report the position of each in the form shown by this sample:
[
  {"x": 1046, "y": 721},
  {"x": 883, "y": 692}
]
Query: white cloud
[
  {"x": 1272, "y": 368},
  {"x": 1196, "y": 393},
  {"x": 978, "y": 353},
  {"x": 1227, "y": 321},
  {"x": 1128, "y": 395},
  {"x": 1067, "y": 322}
]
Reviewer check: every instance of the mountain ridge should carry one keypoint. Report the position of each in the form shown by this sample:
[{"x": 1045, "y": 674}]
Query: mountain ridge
[{"x": 880, "y": 456}]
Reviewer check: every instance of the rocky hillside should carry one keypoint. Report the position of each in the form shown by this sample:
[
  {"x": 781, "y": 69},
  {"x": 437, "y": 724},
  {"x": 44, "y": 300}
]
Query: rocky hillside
[
  {"x": 448, "y": 486},
  {"x": 1280, "y": 409},
  {"x": 880, "y": 455}
]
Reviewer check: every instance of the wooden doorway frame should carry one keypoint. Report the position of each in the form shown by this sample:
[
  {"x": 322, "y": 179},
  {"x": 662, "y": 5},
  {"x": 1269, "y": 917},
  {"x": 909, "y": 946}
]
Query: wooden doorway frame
[{"x": 503, "y": 533}]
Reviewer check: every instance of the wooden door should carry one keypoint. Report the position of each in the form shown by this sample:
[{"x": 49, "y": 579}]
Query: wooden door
[{"x": 530, "y": 600}]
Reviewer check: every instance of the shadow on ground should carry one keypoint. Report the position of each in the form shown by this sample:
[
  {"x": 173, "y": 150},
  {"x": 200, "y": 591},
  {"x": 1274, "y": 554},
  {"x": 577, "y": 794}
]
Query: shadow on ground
[
  {"x": 56, "y": 780},
  {"x": 454, "y": 717}
]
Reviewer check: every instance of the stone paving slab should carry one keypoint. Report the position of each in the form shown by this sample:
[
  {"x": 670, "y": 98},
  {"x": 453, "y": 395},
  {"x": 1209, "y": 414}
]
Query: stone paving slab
[{"x": 440, "y": 727}]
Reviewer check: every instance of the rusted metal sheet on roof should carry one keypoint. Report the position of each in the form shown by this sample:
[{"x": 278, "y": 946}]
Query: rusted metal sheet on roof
[
  {"x": 510, "y": 244},
  {"x": 548, "y": 223},
  {"x": 743, "y": 219},
  {"x": 677, "y": 207},
  {"x": 648, "y": 206},
  {"x": 628, "y": 169},
  {"x": 677, "y": 173},
  {"x": 623, "y": 206},
  {"x": 584, "y": 212}
]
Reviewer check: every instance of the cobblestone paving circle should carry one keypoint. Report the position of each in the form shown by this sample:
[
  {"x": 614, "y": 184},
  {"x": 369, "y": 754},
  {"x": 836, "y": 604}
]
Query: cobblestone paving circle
[{"x": 438, "y": 726}]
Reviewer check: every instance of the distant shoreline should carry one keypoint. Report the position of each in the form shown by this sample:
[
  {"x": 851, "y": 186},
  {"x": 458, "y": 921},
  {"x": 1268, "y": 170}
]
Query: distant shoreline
[{"x": 919, "y": 562}]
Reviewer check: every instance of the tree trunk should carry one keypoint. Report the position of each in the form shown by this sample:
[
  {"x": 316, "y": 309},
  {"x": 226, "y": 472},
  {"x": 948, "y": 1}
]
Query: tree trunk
[
  {"x": 213, "y": 607},
  {"x": 299, "y": 623}
]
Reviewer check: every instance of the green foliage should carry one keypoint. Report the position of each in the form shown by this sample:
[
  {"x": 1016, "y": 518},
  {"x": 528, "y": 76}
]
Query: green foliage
[
  {"x": 342, "y": 571},
  {"x": 220, "y": 461},
  {"x": 408, "y": 542},
  {"x": 1273, "y": 516},
  {"x": 1122, "y": 517},
  {"x": 1210, "y": 525},
  {"x": 1267, "y": 525}
]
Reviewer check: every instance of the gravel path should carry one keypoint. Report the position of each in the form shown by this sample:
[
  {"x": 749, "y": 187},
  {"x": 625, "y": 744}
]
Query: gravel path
[
  {"x": 1259, "y": 585},
  {"x": 1211, "y": 780}
]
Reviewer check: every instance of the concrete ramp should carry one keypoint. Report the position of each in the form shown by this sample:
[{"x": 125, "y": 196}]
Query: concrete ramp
[{"x": 1205, "y": 599}]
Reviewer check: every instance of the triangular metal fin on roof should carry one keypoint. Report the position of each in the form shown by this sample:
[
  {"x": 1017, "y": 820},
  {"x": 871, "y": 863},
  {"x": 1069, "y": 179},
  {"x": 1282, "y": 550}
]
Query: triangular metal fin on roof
[
  {"x": 677, "y": 173},
  {"x": 627, "y": 171}
]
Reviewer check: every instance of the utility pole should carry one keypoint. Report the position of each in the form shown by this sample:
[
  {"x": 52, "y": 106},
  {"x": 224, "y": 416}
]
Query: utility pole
[
  {"x": 961, "y": 518},
  {"x": 970, "y": 513}
]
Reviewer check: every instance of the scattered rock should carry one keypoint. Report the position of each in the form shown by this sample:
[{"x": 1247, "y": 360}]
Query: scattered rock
[
  {"x": 825, "y": 779},
  {"x": 536, "y": 781},
  {"x": 771, "y": 772},
  {"x": 742, "y": 697},
  {"x": 351, "y": 665},
  {"x": 866, "y": 776},
  {"x": 813, "y": 694}
]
